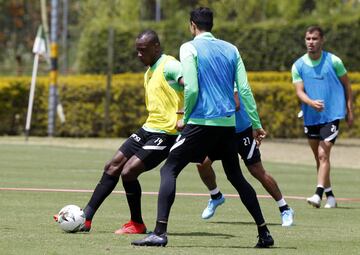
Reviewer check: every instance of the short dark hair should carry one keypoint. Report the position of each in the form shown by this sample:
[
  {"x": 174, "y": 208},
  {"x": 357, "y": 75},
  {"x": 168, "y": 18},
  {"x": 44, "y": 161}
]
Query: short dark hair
[
  {"x": 203, "y": 18},
  {"x": 312, "y": 29},
  {"x": 151, "y": 34}
]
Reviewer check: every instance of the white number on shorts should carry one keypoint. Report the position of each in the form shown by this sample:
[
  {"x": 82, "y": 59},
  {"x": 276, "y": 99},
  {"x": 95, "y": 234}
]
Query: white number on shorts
[
  {"x": 158, "y": 141},
  {"x": 246, "y": 141}
]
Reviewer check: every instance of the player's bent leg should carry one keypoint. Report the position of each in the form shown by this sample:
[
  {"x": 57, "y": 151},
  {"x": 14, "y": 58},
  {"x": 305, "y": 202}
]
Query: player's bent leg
[
  {"x": 314, "y": 145},
  {"x": 268, "y": 182},
  {"x": 208, "y": 177},
  {"x": 131, "y": 170},
  {"x": 104, "y": 188},
  {"x": 315, "y": 200},
  {"x": 324, "y": 160},
  {"x": 324, "y": 172},
  {"x": 207, "y": 174},
  {"x": 248, "y": 197},
  {"x": 169, "y": 173}
]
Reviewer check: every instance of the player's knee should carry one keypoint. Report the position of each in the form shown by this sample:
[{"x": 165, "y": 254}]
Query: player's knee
[
  {"x": 200, "y": 167},
  {"x": 129, "y": 174},
  {"x": 107, "y": 166},
  {"x": 323, "y": 157},
  {"x": 113, "y": 168}
]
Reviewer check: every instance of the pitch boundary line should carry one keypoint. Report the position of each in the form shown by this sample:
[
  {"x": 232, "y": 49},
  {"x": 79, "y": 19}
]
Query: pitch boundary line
[{"x": 156, "y": 193}]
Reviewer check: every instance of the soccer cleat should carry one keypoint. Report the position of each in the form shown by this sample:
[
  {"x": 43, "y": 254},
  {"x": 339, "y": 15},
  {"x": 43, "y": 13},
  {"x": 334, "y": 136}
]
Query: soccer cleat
[
  {"x": 131, "y": 227},
  {"x": 315, "y": 200},
  {"x": 152, "y": 240},
  {"x": 56, "y": 217},
  {"x": 212, "y": 205},
  {"x": 86, "y": 226},
  {"x": 265, "y": 241},
  {"x": 331, "y": 202},
  {"x": 287, "y": 217}
]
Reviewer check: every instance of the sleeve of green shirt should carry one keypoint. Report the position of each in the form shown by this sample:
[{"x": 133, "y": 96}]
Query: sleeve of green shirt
[
  {"x": 188, "y": 58},
  {"x": 338, "y": 66},
  {"x": 295, "y": 75},
  {"x": 246, "y": 93},
  {"x": 172, "y": 73}
]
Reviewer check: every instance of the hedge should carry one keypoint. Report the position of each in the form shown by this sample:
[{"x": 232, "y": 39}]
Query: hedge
[{"x": 83, "y": 99}]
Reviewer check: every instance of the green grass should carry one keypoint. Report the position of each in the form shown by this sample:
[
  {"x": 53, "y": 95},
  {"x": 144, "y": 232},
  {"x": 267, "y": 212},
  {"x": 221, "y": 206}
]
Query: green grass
[{"x": 26, "y": 225}]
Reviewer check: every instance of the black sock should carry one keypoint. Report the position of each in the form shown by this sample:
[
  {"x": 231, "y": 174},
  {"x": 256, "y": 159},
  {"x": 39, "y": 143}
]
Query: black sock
[
  {"x": 133, "y": 196},
  {"x": 216, "y": 196},
  {"x": 262, "y": 230},
  {"x": 89, "y": 212},
  {"x": 104, "y": 188},
  {"x": 284, "y": 208},
  {"x": 329, "y": 194},
  {"x": 319, "y": 191},
  {"x": 160, "y": 228}
]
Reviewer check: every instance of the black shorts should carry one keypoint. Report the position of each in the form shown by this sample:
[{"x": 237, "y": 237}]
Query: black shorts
[
  {"x": 197, "y": 141},
  {"x": 323, "y": 132},
  {"x": 247, "y": 148},
  {"x": 151, "y": 148}
]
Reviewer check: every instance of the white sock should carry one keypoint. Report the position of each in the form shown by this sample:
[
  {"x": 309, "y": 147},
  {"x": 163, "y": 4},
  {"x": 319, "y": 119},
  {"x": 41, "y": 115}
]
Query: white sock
[
  {"x": 328, "y": 189},
  {"x": 281, "y": 202},
  {"x": 214, "y": 191}
]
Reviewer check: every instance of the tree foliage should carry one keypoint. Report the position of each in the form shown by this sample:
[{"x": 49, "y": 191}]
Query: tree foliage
[{"x": 19, "y": 20}]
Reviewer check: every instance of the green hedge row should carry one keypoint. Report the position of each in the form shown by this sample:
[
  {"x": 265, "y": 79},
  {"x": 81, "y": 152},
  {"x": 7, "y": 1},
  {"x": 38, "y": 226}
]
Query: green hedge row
[
  {"x": 83, "y": 100},
  {"x": 266, "y": 46}
]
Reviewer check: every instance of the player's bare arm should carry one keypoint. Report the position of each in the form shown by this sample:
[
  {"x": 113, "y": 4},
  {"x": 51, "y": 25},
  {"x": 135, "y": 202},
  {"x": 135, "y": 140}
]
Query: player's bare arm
[
  {"x": 349, "y": 99},
  {"x": 317, "y": 104}
]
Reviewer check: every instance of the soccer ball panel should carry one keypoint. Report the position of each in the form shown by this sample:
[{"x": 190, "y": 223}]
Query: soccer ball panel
[{"x": 71, "y": 218}]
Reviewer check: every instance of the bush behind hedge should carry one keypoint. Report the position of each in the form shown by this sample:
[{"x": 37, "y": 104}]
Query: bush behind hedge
[
  {"x": 83, "y": 99},
  {"x": 266, "y": 46}
]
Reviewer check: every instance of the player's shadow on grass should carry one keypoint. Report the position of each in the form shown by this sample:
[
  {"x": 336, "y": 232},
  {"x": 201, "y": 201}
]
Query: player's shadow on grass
[
  {"x": 346, "y": 208},
  {"x": 213, "y": 247},
  {"x": 241, "y": 223},
  {"x": 202, "y": 234},
  {"x": 216, "y": 246}
]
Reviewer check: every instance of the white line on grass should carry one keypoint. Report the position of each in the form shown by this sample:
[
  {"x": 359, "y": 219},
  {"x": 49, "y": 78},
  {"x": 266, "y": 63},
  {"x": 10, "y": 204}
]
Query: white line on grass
[{"x": 156, "y": 193}]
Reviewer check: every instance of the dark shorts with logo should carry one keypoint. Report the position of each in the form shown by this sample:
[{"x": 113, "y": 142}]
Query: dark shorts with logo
[
  {"x": 151, "y": 148},
  {"x": 323, "y": 132},
  {"x": 247, "y": 148},
  {"x": 197, "y": 141}
]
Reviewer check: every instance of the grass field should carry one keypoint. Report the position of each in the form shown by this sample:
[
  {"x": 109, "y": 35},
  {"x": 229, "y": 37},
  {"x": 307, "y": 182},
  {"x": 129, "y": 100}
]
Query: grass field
[{"x": 26, "y": 225}]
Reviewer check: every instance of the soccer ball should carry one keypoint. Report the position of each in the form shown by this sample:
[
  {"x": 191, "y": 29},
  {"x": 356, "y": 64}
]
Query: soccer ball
[{"x": 71, "y": 218}]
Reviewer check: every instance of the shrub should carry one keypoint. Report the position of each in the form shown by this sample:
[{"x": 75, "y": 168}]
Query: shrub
[{"x": 83, "y": 99}]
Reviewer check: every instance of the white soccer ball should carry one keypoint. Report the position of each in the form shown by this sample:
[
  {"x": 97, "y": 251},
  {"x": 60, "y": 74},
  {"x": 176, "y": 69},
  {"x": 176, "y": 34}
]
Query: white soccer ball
[{"x": 71, "y": 218}]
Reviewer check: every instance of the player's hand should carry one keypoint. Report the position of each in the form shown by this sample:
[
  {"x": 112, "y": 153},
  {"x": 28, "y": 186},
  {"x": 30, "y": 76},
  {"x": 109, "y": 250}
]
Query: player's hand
[
  {"x": 318, "y": 105},
  {"x": 180, "y": 125},
  {"x": 259, "y": 134}
]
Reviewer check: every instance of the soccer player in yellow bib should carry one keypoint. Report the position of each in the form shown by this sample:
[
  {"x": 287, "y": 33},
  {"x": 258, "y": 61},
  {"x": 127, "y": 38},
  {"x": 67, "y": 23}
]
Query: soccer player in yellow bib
[{"x": 148, "y": 146}]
